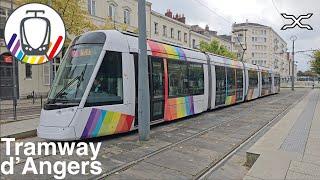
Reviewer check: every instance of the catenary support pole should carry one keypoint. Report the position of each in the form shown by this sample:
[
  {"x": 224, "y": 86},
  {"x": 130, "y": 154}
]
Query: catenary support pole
[
  {"x": 51, "y": 69},
  {"x": 143, "y": 81},
  {"x": 293, "y": 39}
]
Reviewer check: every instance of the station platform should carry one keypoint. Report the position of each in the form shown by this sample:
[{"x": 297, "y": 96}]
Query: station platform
[{"x": 291, "y": 148}]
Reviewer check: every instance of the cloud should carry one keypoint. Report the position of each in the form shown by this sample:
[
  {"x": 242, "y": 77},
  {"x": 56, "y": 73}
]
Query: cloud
[{"x": 258, "y": 11}]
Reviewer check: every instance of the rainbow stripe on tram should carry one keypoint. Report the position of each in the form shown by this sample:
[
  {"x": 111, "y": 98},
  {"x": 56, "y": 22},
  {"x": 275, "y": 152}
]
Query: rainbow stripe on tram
[
  {"x": 166, "y": 51},
  {"x": 178, "y": 108},
  {"x": 103, "y": 122}
]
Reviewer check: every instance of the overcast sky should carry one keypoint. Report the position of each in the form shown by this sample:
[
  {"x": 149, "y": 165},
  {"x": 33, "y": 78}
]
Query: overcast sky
[{"x": 258, "y": 11}]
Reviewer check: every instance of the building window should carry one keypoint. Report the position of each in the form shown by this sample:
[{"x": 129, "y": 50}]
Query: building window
[
  {"x": 252, "y": 39},
  {"x": 185, "y": 37},
  {"x": 252, "y": 54},
  {"x": 179, "y": 35},
  {"x": 265, "y": 39},
  {"x": 28, "y": 71},
  {"x": 126, "y": 16},
  {"x": 3, "y": 12},
  {"x": 172, "y": 33},
  {"x": 165, "y": 31},
  {"x": 194, "y": 43},
  {"x": 112, "y": 12},
  {"x": 46, "y": 74},
  {"x": 156, "y": 28},
  {"x": 92, "y": 7}
]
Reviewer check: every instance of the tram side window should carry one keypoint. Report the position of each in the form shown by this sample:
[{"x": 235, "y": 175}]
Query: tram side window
[
  {"x": 157, "y": 77},
  {"x": 231, "y": 85},
  {"x": 196, "y": 79},
  {"x": 253, "y": 79},
  {"x": 178, "y": 78},
  {"x": 277, "y": 81},
  {"x": 265, "y": 80},
  {"x": 220, "y": 85},
  {"x": 239, "y": 73},
  {"x": 107, "y": 87},
  {"x": 270, "y": 81}
]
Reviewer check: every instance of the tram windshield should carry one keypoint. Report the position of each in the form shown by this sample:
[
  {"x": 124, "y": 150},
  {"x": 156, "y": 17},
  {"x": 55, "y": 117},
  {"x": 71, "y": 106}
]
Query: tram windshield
[{"x": 74, "y": 73}]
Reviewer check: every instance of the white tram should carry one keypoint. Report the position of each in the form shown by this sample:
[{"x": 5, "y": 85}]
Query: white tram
[{"x": 95, "y": 91}]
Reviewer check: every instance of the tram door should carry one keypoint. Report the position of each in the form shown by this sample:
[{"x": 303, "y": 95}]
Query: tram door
[
  {"x": 156, "y": 85},
  {"x": 156, "y": 88}
]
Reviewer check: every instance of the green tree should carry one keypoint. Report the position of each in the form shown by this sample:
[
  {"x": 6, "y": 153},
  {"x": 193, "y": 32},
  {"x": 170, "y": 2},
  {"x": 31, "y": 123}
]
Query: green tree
[
  {"x": 215, "y": 47},
  {"x": 315, "y": 63}
]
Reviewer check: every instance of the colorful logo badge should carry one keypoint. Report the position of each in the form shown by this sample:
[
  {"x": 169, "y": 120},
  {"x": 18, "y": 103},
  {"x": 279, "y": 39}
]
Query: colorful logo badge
[{"x": 34, "y": 33}]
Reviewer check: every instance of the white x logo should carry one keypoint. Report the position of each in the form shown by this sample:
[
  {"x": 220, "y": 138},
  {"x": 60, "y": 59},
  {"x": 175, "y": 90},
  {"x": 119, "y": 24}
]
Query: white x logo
[{"x": 296, "y": 21}]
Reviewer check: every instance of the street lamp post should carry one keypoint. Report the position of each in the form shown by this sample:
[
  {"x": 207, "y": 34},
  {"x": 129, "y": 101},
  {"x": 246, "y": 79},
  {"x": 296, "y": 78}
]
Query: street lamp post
[
  {"x": 293, "y": 39},
  {"x": 143, "y": 82},
  {"x": 14, "y": 76}
]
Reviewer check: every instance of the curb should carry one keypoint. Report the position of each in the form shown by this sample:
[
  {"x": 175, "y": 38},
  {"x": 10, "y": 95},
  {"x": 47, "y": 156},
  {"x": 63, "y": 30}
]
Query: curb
[{"x": 22, "y": 135}]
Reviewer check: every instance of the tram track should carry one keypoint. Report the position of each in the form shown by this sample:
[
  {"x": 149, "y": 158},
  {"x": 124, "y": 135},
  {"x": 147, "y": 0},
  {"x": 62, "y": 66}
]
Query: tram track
[
  {"x": 225, "y": 117},
  {"x": 215, "y": 165},
  {"x": 202, "y": 174}
]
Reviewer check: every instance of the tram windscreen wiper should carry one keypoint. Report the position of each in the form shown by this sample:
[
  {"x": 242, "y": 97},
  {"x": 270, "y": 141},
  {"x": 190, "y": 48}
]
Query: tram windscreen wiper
[{"x": 79, "y": 78}]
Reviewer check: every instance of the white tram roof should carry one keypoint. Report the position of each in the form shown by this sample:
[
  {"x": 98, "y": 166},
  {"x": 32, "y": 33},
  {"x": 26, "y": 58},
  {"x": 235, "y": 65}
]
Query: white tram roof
[
  {"x": 224, "y": 61},
  {"x": 125, "y": 42},
  {"x": 165, "y": 50},
  {"x": 252, "y": 67}
]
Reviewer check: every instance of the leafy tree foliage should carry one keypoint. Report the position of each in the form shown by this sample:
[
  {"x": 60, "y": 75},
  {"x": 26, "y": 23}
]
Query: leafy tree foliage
[
  {"x": 215, "y": 47},
  {"x": 315, "y": 63}
]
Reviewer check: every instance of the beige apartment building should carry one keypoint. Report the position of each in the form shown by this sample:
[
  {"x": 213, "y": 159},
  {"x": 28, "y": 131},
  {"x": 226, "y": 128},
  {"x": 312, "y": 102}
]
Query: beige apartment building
[
  {"x": 264, "y": 46},
  {"x": 168, "y": 27}
]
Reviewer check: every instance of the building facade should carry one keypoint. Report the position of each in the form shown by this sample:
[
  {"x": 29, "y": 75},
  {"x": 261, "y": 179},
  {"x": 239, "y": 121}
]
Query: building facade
[
  {"x": 264, "y": 46},
  {"x": 168, "y": 27}
]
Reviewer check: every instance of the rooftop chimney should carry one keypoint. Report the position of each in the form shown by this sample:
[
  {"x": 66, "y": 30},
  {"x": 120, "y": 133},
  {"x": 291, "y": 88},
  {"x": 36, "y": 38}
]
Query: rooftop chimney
[
  {"x": 207, "y": 27},
  {"x": 168, "y": 13},
  {"x": 182, "y": 19}
]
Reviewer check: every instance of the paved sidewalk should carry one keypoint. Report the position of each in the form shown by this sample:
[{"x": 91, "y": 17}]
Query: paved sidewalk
[
  {"x": 291, "y": 149},
  {"x": 19, "y": 129}
]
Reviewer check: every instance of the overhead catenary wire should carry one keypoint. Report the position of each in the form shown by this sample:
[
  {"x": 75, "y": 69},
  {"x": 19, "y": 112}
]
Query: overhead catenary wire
[
  {"x": 277, "y": 9},
  {"x": 212, "y": 11}
]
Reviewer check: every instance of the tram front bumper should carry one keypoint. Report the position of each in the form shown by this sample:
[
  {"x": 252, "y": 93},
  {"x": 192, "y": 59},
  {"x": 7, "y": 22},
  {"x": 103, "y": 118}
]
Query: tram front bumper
[{"x": 56, "y": 133}]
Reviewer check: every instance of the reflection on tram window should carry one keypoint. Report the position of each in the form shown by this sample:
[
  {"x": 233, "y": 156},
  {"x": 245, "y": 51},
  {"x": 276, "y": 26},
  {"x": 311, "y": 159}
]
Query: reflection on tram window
[
  {"x": 239, "y": 73},
  {"x": 231, "y": 85},
  {"x": 157, "y": 77},
  {"x": 74, "y": 73},
  {"x": 107, "y": 87},
  {"x": 178, "y": 78},
  {"x": 185, "y": 79},
  {"x": 266, "y": 83},
  {"x": 253, "y": 79},
  {"x": 220, "y": 85},
  {"x": 196, "y": 79}
]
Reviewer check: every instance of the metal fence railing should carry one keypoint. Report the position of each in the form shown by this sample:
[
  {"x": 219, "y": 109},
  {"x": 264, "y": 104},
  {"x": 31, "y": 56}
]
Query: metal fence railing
[{"x": 25, "y": 108}]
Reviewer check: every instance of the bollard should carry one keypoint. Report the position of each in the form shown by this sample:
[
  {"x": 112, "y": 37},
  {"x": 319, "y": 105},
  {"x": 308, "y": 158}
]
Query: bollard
[
  {"x": 15, "y": 109},
  {"x": 41, "y": 101},
  {"x": 32, "y": 97}
]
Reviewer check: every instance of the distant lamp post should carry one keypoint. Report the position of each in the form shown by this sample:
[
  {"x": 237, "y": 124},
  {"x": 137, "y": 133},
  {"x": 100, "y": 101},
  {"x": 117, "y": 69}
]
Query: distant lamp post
[{"x": 293, "y": 39}]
